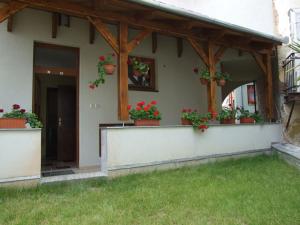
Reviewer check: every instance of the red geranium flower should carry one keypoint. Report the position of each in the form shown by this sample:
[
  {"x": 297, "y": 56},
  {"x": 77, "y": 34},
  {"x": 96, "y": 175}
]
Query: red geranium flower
[
  {"x": 156, "y": 113},
  {"x": 153, "y": 102},
  {"x": 22, "y": 110},
  {"x": 129, "y": 107},
  {"x": 92, "y": 86},
  {"x": 16, "y": 106},
  {"x": 189, "y": 110},
  {"x": 195, "y": 70},
  {"x": 141, "y": 103},
  {"x": 1, "y": 110},
  {"x": 146, "y": 109},
  {"x": 184, "y": 110},
  {"x": 102, "y": 58},
  {"x": 138, "y": 108}
]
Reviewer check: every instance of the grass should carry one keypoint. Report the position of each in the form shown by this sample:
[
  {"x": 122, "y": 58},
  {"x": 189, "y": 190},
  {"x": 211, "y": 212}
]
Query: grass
[{"x": 262, "y": 190}]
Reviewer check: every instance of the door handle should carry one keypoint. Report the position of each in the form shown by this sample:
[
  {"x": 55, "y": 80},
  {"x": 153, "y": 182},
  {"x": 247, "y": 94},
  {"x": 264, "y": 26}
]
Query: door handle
[{"x": 59, "y": 121}]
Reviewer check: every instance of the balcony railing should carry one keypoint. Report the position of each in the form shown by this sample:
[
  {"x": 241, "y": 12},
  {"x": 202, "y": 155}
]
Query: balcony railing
[{"x": 291, "y": 66}]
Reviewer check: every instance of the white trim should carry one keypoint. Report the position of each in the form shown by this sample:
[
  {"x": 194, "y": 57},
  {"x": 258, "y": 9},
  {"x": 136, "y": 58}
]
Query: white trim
[{"x": 14, "y": 179}]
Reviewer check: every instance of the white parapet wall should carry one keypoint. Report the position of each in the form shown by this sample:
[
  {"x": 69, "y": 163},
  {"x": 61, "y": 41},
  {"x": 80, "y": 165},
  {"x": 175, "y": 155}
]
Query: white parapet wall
[
  {"x": 133, "y": 147},
  {"x": 20, "y": 154}
]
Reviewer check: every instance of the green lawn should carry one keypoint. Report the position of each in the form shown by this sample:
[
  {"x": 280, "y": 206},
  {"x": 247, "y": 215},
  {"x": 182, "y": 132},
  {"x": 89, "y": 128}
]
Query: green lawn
[{"x": 262, "y": 190}]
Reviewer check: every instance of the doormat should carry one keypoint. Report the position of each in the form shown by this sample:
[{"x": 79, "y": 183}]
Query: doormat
[{"x": 57, "y": 173}]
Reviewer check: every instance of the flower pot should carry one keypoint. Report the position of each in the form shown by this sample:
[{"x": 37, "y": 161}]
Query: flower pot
[
  {"x": 145, "y": 122},
  {"x": 228, "y": 121},
  {"x": 137, "y": 73},
  {"x": 203, "y": 81},
  {"x": 246, "y": 120},
  {"x": 186, "y": 122},
  {"x": 109, "y": 68},
  {"x": 221, "y": 82},
  {"x": 8, "y": 123}
]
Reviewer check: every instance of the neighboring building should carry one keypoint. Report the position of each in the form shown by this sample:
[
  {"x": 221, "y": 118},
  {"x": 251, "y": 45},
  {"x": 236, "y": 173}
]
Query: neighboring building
[
  {"x": 50, "y": 58},
  {"x": 287, "y": 23}
]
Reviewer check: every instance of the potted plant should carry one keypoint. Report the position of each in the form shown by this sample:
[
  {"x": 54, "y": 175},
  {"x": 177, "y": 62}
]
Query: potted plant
[
  {"x": 204, "y": 75},
  {"x": 221, "y": 78},
  {"x": 200, "y": 121},
  {"x": 246, "y": 117},
  {"x": 145, "y": 115},
  {"x": 17, "y": 118},
  {"x": 139, "y": 68},
  {"x": 105, "y": 67},
  {"x": 227, "y": 116},
  {"x": 187, "y": 116}
]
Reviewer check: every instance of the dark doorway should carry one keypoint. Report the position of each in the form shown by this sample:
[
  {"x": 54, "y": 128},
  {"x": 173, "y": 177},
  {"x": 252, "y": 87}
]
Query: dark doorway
[{"x": 55, "y": 95}]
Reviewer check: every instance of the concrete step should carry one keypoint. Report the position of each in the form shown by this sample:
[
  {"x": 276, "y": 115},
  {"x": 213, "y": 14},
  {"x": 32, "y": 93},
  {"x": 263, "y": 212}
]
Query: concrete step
[{"x": 288, "y": 152}]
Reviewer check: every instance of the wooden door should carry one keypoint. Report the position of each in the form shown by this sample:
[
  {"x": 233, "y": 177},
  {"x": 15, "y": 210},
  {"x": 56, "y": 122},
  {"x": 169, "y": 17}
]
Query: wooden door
[{"x": 66, "y": 132}]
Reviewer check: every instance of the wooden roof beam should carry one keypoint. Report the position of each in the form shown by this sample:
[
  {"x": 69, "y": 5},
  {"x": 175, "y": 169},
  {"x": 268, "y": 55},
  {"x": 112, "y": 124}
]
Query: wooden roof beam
[
  {"x": 10, "y": 9},
  {"x": 138, "y": 39},
  {"x": 220, "y": 52},
  {"x": 199, "y": 49}
]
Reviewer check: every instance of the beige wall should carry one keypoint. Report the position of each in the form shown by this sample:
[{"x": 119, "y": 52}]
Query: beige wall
[
  {"x": 128, "y": 147},
  {"x": 177, "y": 86},
  {"x": 20, "y": 154}
]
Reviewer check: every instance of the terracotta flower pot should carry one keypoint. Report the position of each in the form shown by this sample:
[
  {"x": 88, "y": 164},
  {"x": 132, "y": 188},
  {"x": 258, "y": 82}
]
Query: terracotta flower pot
[
  {"x": 221, "y": 82},
  {"x": 246, "y": 120},
  {"x": 8, "y": 123},
  {"x": 137, "y": 73},
  {"x": 145, "y": 122},
  {"x": 186, "y": 122},
  {"x": 203, "y": 81},
  {"x": 109, "y": 68},
  {"x": 228, "y": 121}
]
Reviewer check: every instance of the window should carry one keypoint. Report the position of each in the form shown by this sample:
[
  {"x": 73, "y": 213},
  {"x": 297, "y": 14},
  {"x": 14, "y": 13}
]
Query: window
[
  {"x": 295, "y": 24},
  {"x": 142, "y": 82}
]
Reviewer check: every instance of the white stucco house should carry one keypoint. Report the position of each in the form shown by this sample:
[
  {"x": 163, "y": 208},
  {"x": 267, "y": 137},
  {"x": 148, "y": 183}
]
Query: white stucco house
[{"x": 50, "y": 52}]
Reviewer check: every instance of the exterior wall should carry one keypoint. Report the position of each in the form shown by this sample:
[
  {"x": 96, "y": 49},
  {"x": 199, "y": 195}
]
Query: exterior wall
[
  {"x": 128, "y": 147},
  {"x": 20, "y": 155},
  {"x": 177, "y": 86},
  {"x": 282, "y": 25},
  {"x": 233, "y": 11}
]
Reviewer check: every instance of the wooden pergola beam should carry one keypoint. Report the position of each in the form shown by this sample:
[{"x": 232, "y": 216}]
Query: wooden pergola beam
[
  {"x": 138, "y": 39},
  {"x": 10, "y": 9},
  {"x": 199, "y": 50},
  {"x": 106, "y": 34},
  {"x": 123, "y": 73}
]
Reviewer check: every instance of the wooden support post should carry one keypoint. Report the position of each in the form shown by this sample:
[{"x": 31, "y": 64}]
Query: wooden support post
[
  {"x": 123, "y": 73},
  {"x": 92, "y": 34},
  {"x": 212, "y": 85},
  {"x": 154, "y": 42},
  {"x": 10, "y": 9},
  {"x": 55, "y": 18},
  {"x": 179, "y": 47},
  {"x": 269, "y": 79},
  {"x": 10, "y": 22}
]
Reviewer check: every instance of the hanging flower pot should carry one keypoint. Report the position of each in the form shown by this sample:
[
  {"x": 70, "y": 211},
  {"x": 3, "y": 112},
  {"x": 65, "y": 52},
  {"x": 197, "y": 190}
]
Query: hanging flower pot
[
  {"x": 109, "y": 68},
  {"x": 9, "y": 123},
  {"x": 204, "y": 81},
  {"x": 221, "y": 82}
]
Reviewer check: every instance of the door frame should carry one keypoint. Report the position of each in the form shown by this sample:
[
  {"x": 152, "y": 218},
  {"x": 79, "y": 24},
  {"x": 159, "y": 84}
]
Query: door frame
[{"x": 77, "y": 76}]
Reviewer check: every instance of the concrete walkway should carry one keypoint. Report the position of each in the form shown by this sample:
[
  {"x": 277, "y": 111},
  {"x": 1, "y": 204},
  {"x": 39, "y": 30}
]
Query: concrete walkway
[{"x": 289, "y": 152}]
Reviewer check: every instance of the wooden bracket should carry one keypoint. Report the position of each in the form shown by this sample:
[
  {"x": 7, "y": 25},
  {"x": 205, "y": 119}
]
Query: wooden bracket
[
  {"x": 154, "y": 42},
  {"x": 259, "y": 61},
  {"x": 106, "y": 34},
  {"x": 10, "y": 9},
  {"x": 55, "y": 18},
  {"x": 179, "y": 47},
  {"x": 200, "y": 51},
  {"x": 92, "y": 33},
  {"x": 137, "y": 40},
  {"x": 10, "y": 22},
  {"x": 219, "y": 53}
]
